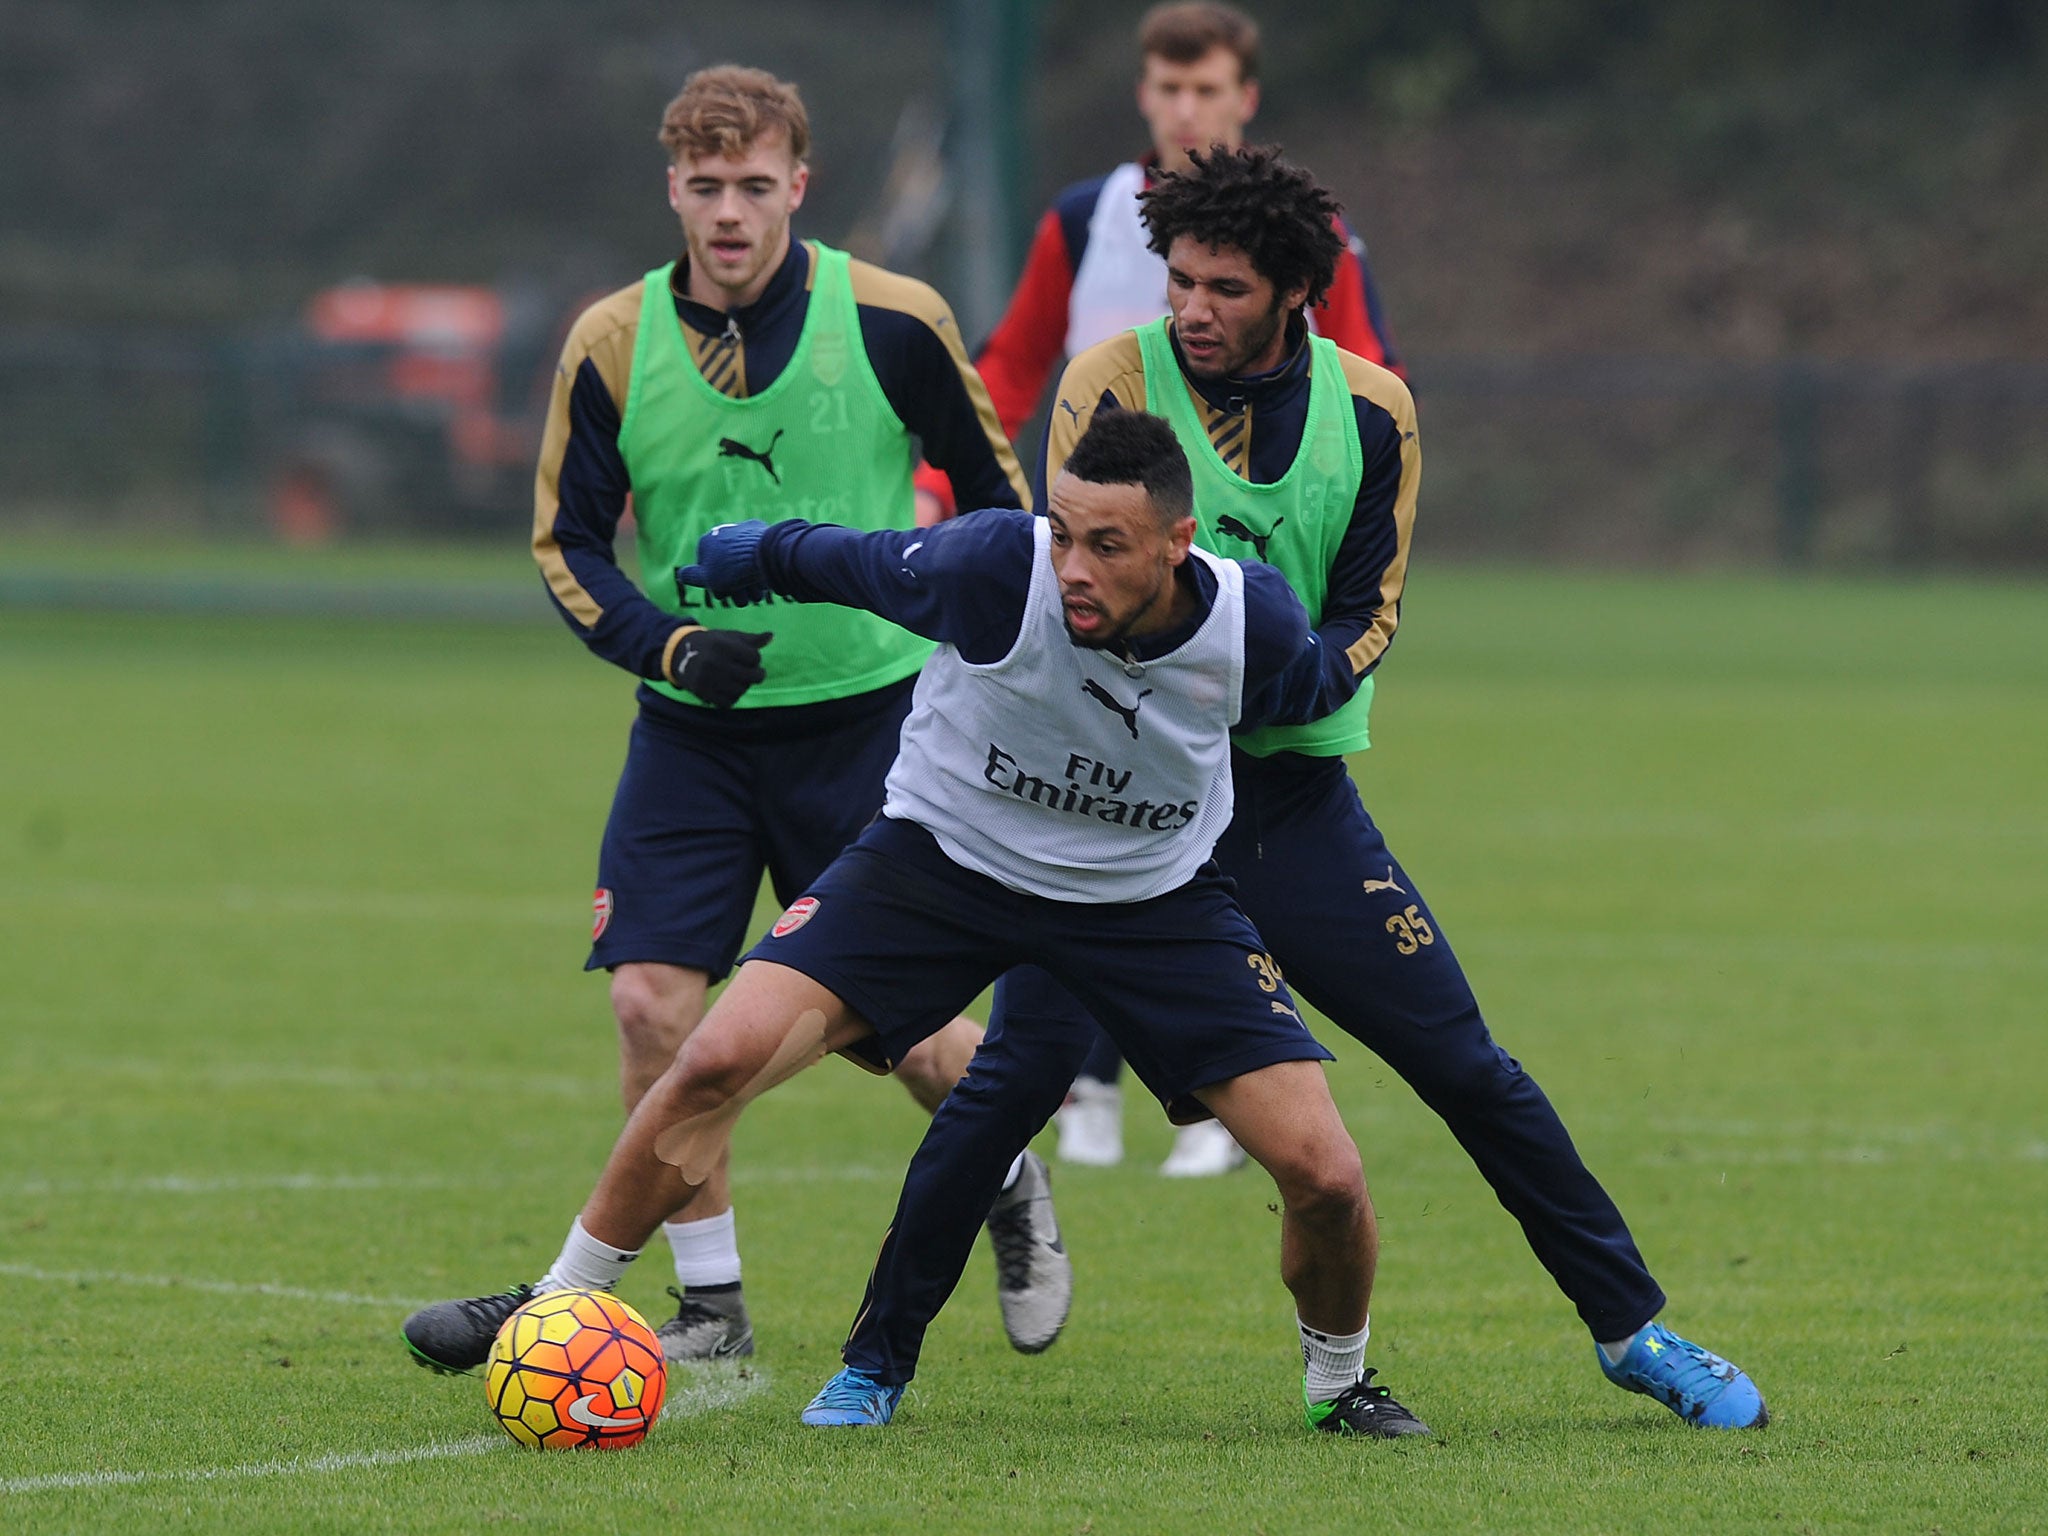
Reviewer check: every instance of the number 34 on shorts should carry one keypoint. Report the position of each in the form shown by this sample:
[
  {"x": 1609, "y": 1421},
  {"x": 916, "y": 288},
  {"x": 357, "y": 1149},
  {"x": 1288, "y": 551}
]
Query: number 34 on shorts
[{"x": 1266, "y": 972}]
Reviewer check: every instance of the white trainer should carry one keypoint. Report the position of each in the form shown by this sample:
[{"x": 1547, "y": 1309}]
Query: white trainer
[
  {"x": 1202, "y": 1151},
  {"x": 1034, "y": 1276},
  {"x": 1091, "y": 1124}
]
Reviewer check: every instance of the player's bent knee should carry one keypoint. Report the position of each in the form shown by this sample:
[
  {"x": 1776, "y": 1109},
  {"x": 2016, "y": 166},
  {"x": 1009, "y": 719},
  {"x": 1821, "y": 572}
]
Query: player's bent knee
[
  {"x": 713, "y": 1066},
  {"x": 932, "y": 1067},
  {"x": 656, "y": 1009},
  {"x": 919, "y": 1063},
  {"x": 1325, "y": 1184}
]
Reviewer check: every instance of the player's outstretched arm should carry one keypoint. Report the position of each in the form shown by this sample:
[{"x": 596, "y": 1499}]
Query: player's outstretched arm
[
  {"x": 728, "y": 563},
  {"x": 963, "y": 582}
]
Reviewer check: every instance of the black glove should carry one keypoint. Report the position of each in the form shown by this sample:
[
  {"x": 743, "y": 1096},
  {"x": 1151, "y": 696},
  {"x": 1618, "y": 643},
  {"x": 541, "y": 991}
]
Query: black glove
[{"x": 718, "y": 665}]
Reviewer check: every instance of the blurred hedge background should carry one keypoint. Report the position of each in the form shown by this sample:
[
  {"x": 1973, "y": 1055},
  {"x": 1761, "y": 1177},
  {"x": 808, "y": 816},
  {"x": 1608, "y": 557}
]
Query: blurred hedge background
[{"x": 1677, "y": 284}]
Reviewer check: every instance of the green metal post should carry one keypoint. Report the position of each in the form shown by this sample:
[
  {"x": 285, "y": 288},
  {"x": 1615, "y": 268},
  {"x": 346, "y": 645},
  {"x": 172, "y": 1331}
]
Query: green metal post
[{"x": 989, "y": 54}]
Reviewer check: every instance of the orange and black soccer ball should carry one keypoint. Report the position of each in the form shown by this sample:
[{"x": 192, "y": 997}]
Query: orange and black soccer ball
[{"x": 574, "y": 1370}]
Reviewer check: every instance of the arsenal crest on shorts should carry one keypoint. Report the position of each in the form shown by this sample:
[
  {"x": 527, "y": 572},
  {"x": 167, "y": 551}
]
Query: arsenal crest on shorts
[
  {"x": 600, "y": 914},
  {"x": 801, "y": 911}
]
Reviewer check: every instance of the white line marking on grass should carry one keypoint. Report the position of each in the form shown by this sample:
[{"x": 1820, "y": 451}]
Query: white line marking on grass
[
  {"x": 1908, "y": 954},
  {"x": 211, "y": 1287},
  {"x": 1915, "y": 1133},
  {"x": 32, "y": 1187},
  {"x": 1734, "y": 1143},
  {"x": 693, "y": 1392},
  {"x": 242, "y": 904},
  {"x": 1841, "y": 826},
  {"x": 200, "y": 1184},
  {"x": 1712, "y": 1157},
  {"x": 340, "y": 1461},
  {"x": 438, "y": 1081}
]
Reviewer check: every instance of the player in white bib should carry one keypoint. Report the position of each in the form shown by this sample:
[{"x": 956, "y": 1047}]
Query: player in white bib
[
  {"x": 1091, "y": 274},
  {"x": 1054, "y": 803},
  {"x": 1325, "y": 489}
]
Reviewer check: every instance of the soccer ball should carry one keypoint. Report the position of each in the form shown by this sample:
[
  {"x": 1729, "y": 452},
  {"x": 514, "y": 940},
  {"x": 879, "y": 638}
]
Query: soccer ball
[{"x": 576, "y": 1369}]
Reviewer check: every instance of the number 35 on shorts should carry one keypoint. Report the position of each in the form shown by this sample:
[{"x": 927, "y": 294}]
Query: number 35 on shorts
[{"x": 1411, "y": 930}]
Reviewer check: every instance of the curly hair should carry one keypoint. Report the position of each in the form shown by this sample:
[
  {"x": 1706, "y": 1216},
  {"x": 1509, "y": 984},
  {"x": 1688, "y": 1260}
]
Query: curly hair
[{"x": 1253, "y": 199}]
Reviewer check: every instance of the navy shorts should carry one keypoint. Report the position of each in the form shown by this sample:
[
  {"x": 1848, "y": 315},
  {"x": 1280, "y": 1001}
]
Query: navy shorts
[
  {"x": 907, "y": 938},
  {"x": 702, "y": 810}
]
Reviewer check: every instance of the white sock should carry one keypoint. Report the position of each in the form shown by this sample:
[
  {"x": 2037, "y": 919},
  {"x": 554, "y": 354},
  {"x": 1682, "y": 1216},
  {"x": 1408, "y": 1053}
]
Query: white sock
[
  {"x": 586, "y": 1264},
  {"x": 707, "y": 1252},
  {"x": 1616, "y": 1350},
  {"x": 1016, "y": 1172},
  {"x": 1332, "y": 1361}
]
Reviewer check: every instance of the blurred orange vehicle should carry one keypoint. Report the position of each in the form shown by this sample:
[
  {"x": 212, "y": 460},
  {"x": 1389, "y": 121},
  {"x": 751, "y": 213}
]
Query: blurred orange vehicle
[{"x": 411, "y": 408}]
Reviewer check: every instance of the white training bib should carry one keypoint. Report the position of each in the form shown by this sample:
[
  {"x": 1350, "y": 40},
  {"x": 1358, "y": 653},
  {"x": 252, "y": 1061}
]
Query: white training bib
[
  {"x": 1121, "y": 283},
  {"x": 1067, "y": 772}
]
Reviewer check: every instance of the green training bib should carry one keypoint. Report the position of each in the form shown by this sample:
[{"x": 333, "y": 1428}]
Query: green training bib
[
  {"x": 1295, "y": 523},
  {"x": 822, "y": 443}
]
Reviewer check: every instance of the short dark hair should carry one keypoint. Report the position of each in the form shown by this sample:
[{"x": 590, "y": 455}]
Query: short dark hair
[
  {"x": 1124, "y": 447},
  {"x": 1184, "y": 32},
  {"x": 1254, "y": 199}
]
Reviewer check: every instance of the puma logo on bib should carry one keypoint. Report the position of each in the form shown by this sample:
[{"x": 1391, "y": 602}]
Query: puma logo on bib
[{"x": 732, "y": 448}]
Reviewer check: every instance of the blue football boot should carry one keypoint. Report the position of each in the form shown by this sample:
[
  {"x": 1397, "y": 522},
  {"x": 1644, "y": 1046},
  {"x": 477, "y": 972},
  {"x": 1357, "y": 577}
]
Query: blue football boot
[
  {"x": 853, "y": 1398},
  {"x": 1696, "y": 1384}
]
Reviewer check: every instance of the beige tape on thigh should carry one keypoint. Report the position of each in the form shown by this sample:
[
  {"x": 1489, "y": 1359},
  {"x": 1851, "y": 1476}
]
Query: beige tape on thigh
[{"x": 695, "y": 1145}]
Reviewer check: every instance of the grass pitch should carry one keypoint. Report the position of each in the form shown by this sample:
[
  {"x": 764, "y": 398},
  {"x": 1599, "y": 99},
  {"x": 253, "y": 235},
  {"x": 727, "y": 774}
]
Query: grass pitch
[{"x": 1747, "y": 873}]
